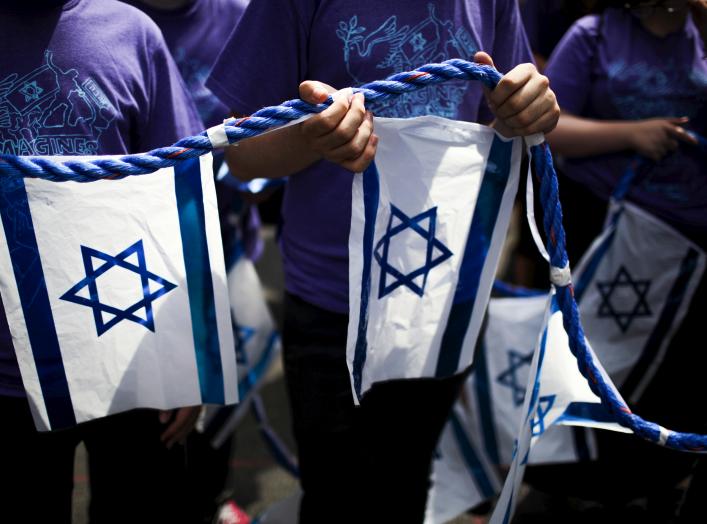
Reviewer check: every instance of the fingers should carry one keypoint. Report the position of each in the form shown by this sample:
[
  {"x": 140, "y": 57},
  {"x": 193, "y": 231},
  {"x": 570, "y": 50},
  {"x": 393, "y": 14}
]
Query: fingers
[
  {"x": 511, "y": 82},
  {"x": 347, "y": 129},
  {"x": 359, "y": 164},
  {"x": 326, "y": 121},
  {"x": 484, "y": 58},
  {"x": 356, "y": 144},
  {"x": 680, "y": 133},
  {"x": 182, "y": 424},
  {"x": 314, "y": 92}
]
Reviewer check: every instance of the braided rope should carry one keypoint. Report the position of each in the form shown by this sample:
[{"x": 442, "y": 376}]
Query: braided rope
[
  {"x": 549, "y": 197},
  {"x": 235, "y": 129},
  {"x": 270, "y": 117}
]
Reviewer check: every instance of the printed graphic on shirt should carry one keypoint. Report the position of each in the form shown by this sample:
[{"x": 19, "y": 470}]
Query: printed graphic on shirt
[
  {"x": 395, "y": 49},
  {"x": 52, "y": 112},
  {"x": 639, "y": 91}
]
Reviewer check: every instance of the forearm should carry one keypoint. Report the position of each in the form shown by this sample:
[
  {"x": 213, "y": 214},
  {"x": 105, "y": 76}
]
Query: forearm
[
  {"x": 276, "y": 154},
  {"x": 579, "y": 137}
]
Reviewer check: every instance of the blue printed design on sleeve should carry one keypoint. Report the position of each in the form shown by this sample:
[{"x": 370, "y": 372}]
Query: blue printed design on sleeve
[
  {"x": 405, "y": 48},
  {"x": 50, "y": 111}
]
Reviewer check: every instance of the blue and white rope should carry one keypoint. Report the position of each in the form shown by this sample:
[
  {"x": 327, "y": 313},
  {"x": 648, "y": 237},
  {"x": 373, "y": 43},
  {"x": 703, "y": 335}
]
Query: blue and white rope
[{"x": 236, "y": 129}]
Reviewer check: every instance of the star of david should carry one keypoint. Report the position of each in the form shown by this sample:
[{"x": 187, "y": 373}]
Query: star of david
[
  {"x": 545, "y": 404},
  {"x": 31, "y": 91},
  {"x": 435, "y": 253},
  {"x": 418, "y": 42},
  {"x": 243, "y": 335},
  {"x": 623, "y": 314},
  {"x": 509, "y": 377},
  {"x": 120, "y": 260}
]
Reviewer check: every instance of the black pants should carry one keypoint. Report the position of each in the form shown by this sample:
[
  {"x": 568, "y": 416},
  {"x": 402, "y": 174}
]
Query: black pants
[
  {"x": 358, "y": 464},
  {"x": 133, "y": 477}
]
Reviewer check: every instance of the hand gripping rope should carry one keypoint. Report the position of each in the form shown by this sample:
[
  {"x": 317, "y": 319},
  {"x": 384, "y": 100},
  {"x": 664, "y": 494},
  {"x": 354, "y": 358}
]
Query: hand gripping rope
[{"x": 236, "y": 129}]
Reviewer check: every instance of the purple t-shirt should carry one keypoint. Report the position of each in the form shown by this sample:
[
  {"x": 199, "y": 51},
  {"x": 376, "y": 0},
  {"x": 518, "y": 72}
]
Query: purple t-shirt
[
  {"x": 610, "y": 68},
  {"x": 280, "y": 43},
  {"x": 88, "y": 77},
  {"x": 195, "y": 34}
]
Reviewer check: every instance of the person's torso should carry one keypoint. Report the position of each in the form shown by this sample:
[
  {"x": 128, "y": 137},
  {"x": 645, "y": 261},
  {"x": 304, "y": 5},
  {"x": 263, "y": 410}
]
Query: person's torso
[
  {"x": 635, "y": 76},
  {"x": 351, "y": 43}
]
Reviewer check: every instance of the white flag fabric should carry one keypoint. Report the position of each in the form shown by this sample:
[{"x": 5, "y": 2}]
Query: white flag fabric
[
  {"x": 496, "y": 387},
  {"x": 462, "y": 475},
  {"x": 115, "y": 292},
  {"x": 257, "y": 344},
  {"x": 428, "y": 221},
  {"x": 556, "y": 393},
  {"x": 634, "y": 287}
]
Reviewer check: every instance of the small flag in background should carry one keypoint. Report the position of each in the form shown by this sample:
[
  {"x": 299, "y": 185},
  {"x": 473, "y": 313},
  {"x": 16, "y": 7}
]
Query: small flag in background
[
  {"x": 556, "y": 393},
  {"x": 634, "y": 287},
  {"x": 462, "y": 475},
  {"x": 257, "y": 344},
  {"x": 115, "y": 292},
  {"x": 428, "y": 222},
  {"x": 497, "y": 386}
]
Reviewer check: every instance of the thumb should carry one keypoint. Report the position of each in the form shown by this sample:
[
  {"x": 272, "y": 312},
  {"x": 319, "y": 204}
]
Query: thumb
[
  {"x": 483, "y": 58},
  {"x": 314, "y": 92}
]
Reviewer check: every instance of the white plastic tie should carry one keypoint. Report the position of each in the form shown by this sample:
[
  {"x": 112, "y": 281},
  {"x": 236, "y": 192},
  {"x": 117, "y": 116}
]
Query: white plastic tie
[
  {"x": 217, "y": 136},
  {"x": 664, "y": 434},
  {"x": 534, "y": 140},
  {"x": 561, "y": 276}
]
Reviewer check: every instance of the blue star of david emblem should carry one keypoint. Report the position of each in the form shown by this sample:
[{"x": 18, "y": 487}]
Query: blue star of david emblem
[
  {"x": 418, "y": 42},
  {"x": 545, "y": 404},
  {"x": 149, "y": 293},
  {"x": 243, "y": 335},
  {"x": 435, "y": 252},
  {"x": 509, "y": 377},
  {"x": 624, "y": 313},
  {"x": 31, "y": 91}
]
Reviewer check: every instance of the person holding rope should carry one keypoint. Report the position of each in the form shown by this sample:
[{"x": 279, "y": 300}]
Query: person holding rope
[{"x": 371, "y": 462}]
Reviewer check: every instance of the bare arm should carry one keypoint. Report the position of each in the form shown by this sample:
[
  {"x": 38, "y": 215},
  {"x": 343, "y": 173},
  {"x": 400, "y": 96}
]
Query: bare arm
[
  {"x": 653, "y": 138},
  {"x": 342, "y": 134}
]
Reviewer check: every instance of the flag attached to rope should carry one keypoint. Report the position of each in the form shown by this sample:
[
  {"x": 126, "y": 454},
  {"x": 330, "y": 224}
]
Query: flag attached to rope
[
  {"x": 115, "y": 292},
  {"x": 634, "y": 287},
  {"x": 257, "y": 344},
  {"x": 556, "y": 393},
  {"x": 428, "y": 222},
  {"x": 496, "y": 388}
]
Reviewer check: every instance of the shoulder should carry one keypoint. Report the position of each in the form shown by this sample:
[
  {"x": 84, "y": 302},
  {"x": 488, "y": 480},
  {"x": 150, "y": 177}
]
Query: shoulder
[
  {"x": 587, "y": 26},
  {"x": 131, "y": 23}
]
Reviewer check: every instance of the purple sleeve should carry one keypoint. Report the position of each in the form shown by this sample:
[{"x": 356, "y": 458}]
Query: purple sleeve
[
  {"x": 510, "y": 46},
  {"x": 265, "y": 58},
  {"x": 171, "y": 113},
  {"x": 569, "y": 66}
]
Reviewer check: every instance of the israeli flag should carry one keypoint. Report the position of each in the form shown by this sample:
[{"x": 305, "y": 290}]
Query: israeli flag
[
  {"x": 496, "y": 388},
  {"x": 257, "y": 345},
  {"x": 462, "y": 475},
  {"x": 556, "y": 393},
  {"x": 115, "y": 292},
  {"x": 634, "y": 287},
  {"x": 428, "y": 221}
]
